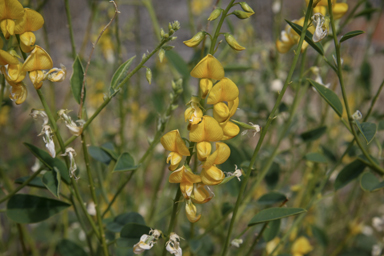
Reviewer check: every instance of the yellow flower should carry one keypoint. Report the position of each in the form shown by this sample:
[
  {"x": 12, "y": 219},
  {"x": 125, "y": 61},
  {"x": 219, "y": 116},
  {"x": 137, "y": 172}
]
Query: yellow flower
[
  {"x": 14, "y": 73},
  {"x": 271, "y": 245},
  {"x": 190, "y": 210},
  {"x": 7, "y": 58},
  {"x": 205, "y": 87},
  {"x": 173, "y": 142},
  {"x": 224, "y": 90},
  {"x": 207, "y": 130},
  {"x": 339, "y": 9},
  {"x": 230, "y": 130},
  {"x": 10, "y": 10},
  {"x": 220, "y": 155},
  {"x": 212, "y": 176},
  {"x": 203, "y": 150},
  {"x": 201, "y": 194},
  {"x": 31, "y": 21},
  {"x": 193, "y": 114},
  {"x": 195, "y": 40},
  {"x": 36, "y": 62},
  {"x": 208, "y": 67},
  {"x": 301, "y": 246},
  {"x": 18, "y": 93},
  {"x": 233, "y": 43},
  {"x": 186, "y": 178},
  {"x": 222, "y": 113},
  {"x": 320, "y": 9}
]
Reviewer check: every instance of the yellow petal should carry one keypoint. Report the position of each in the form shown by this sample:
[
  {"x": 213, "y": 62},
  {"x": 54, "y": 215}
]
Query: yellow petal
[
  {"x": 38, "y": 59},
  {"x": 208, "y": 130},
  {"x": 233, "y": 105},
  {"x": 220, "y": 155},
  {"x": 172, "y": 141},
  {"x": 27, "y": 41},
  {"x": 220, "y": 112},
  {"x": 31, "y": 21},
  {"x": 321, "y": 2},
  {"x": 184, "y": 174},
  {"x": 175, "y": 159},
  {"x": 224, "y": 90},
  {"x": 15, "y": 73},
  {"x": 233, "y": 43},
  {"x": 301, "y": 246},
  {"x": 190, "y": 177},
  {"x": 11, "y": 9},
  {"x": 195, "y": 40},
  {"x": 193, "y": 114},
  {"x": 283, "y": 47},
  {"x": 7, "y": 27},
  {"x": 18, "y": 93},
  {"x": 177, "y": 176},
  {"x": 7, "y": 58},
  {"x": 205, "y": 87},
  {"x": 339, "y": 9},
  {"x": 208, "y": 67},
  {"x": 201, "y": 194},
  {"x": 230, "y": 130},
  {"x": 190, "y": 210},
  {"x": 186, "y": 188},
  {"x": 212, "y": 176},
  {"x": 320, "y": 9},
  {"x": 203, "y": 150},
  {"x": 37, "y": 78}
]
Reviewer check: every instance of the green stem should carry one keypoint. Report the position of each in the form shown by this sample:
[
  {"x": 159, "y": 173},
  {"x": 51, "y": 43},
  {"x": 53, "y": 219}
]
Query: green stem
[
  {"x": 257, "y": 238},
  {"x": 148, "y": 4},
  {"x": 343, "y": 91},
  {"x": 266, "y": 128},
  {"x": 217, "y": 32},
  {"x": 21, "y": 238},
  {"x": 67, "y": 11},
  {"x": 94, "y": 197}
]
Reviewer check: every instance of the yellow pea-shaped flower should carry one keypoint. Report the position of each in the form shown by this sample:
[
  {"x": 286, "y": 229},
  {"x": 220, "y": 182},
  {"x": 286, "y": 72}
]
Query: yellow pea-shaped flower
[
  {"x": 224, "y": 90},
  {"x": 205, "y": 87},
  {"x": 207, "y": 130},
  {"x": 203, "y": 150},
  {"x": 230, "y": 130},
  {"x": 212, "y": 176},
  {"x": 208, "y": 67}
]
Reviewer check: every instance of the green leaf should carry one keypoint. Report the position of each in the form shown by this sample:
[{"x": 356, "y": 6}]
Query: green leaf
[
  {"x": 320, "y": 235},
  {"x": 131, "y": 233},
  {"x": 35, "y": 182},
  {"x": 349, "y": 173},
  {"x": 368, "y": 130},
  {"x": 316, "y": 157},
  {"x": 68, "y": 248},
  {"x": 31, "y": 209},
  {"x": 178, "y": 63},
  {"x": 271, "y": 230},
  {"x": 314, "y": 134},
  {"x": 350, "y": 35},
  {"x": 329, "y": 96},
  {"x": 121, "y": 73},
  {"x": 77, "y": 79},
  {"x": 110, "y": 149},
  {"x": 51, "y": 181},
  {"x": 124, "y": 163},
  {"x": 121, "y": 220},
  {"x": 99, "y": 154},
  {"x": 50, "y": 162},
  {"x": 274, "y": 214},
  {"x": 308, "y": 37},
  {"x": 381, "y": 125},
  {"x": 271, "y": 198},
  {"x": 370, "y": 183},
  {"x": 328, "y": 153}
]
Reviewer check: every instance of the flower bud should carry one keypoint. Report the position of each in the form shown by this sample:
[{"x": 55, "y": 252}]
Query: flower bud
[
  {"x": 205, "y": 87},
  {"x": 246, "y": 7},
  {"x": 215, "y": 14},
  {"x": 242, "y": 15},
  {"x": 37, "y": 78},
  {"x": 148, "y": 75},
  {"x": 195, "y": 40},
  {"x": 162, "y": 33},
  {"x": 161, "y": 54},
  {"x": 176, "y": 25},
  {"x": 233, "y": 43}
]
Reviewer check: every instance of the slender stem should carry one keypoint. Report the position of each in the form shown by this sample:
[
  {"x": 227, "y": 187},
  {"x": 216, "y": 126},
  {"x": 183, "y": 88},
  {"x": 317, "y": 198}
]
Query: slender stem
[
  {"x": 94, "y": 197},
  {"x": 266, "y": 128},
  {"x": 257, "y": 238},
  {"x": 25, "y": 183},
  {"x": 374, "y": 101},
  {"x": 21, "y": 238},
  {"x": 148, "y": 4},
  {"x": 69, "y": 19},
  {"x": 351, "y": 121}
]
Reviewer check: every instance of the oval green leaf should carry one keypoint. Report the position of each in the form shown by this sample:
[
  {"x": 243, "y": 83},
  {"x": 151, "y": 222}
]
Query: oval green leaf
[
  {"x": 349, "y": 173},
  {"x": 329, "y": 96},
  {"x": 370, "y": 183},
  {"x": 51, "y": 181},
  {"x": 125, "y": 163},
  {"x": 31, "y": 209},
  {"x": 316, "y": 157},
  {"x": 35, "y": 182},
  {"x": 350, "y": 35},
  {"x": 271, "y": 230},
  {"x": 131, "y": 233},
  {"x": 77, "y": 79},
  {"x": 368, "y": 130},
  {"x": 50, "y": 162},
  {"x": 314, "y": 134},
  {"x": 274, "y": 214},
  {"x": 121, "y": 220},
  {"x": 68, "y": 248},
  {"x": 308, "y": 37},
  {"x": 99, "y": 154},
  {"x": 121, "y": 73},
  {"x": 271, "y": 198}
]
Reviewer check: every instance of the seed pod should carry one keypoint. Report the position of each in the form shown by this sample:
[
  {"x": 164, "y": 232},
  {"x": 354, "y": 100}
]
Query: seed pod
[
  {"x": 195, "y": 40},
  {"x": 215, "y": 14},
  {"x": 233, "y": 43}
]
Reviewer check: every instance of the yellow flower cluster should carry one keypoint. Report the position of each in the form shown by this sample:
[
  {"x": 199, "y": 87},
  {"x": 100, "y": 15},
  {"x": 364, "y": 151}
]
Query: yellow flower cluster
[
  {"x": 16, "y": 20},
  {"x": 204, "y": 130},
  {"x": 289, "y": 37}
]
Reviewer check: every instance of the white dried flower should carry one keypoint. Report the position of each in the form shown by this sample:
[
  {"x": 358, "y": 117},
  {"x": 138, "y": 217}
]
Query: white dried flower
[
  {"x": 236, "y": 242},
  {"x": 35, "y": 113},
  {"x": 357, "y": 115},
  {"x": 71, "y": 153},
  {"x": 47, "y": 134}
]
